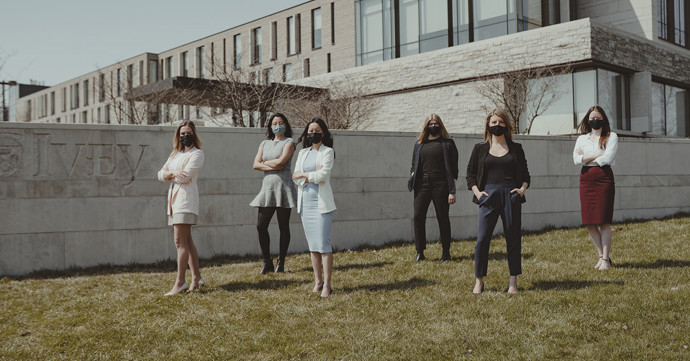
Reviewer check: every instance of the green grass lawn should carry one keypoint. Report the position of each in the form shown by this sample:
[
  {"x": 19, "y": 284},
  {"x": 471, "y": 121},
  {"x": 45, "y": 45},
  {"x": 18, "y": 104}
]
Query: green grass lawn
[{"x": 384, "y": 306}]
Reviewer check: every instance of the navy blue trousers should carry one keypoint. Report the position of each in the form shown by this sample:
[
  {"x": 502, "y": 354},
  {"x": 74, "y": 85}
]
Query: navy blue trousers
[{"x": 499, "y": 202}]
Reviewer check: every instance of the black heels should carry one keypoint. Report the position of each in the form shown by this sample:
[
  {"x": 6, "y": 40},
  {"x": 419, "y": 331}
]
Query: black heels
[
  {"x": 445, "y": 257},
  {"x": 420, "y": 257},
  {"x": 267, "y": 267}
]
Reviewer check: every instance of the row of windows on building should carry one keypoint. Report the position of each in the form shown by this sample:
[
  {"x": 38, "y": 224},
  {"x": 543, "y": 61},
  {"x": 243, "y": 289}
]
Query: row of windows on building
[
  {"x": 673, "y": 21},
  {"x": 387, "y": 29}
]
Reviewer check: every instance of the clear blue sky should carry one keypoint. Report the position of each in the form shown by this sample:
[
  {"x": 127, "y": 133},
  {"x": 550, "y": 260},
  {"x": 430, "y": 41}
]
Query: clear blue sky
[{"x": 52, "y": 41}]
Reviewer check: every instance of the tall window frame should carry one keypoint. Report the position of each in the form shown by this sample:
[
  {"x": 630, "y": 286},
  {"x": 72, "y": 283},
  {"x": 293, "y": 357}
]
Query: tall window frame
[
  {"x": 316, "y": 28},
  {"x": 673, "y": 21}
]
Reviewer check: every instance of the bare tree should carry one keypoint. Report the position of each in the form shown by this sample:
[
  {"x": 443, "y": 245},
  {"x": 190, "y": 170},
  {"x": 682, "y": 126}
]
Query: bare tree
[{"x": 524, "y": 94}]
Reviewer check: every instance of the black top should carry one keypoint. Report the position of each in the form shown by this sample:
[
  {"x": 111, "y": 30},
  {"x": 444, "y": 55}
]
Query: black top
[
  {"x": 499, "y": 170},
  {"x": 431, "y": 157},
  {"x": 450, "y": 163},
  {"x": 476, "y": 173}
]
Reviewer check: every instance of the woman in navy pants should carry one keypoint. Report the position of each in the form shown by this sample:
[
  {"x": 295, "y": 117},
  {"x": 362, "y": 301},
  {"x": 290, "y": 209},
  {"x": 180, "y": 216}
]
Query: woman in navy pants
[{"x": 498, "y": 176}]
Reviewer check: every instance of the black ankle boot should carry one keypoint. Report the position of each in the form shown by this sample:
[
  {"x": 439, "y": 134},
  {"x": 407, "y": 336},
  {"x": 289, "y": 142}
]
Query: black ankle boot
[
  {"x": 267, "y": 267},
  {"x": 445, "y": 257},
  {"x": 420, "y": 256},
  {"x": 280, "y": 266}
]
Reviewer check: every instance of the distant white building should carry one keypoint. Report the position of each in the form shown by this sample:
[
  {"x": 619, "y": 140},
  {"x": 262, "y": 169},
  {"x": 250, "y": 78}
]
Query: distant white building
[{"x": 414, "y": 57}]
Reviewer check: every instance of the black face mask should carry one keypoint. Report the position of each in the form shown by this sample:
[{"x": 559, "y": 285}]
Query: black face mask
[
  {"x": 434, "y": 130},
  {"x": 314, "y": 138},
  {"x": 497, "y": 130},
  {"x": 187, "y": 140},
  {"x": 596, "y": 124}
]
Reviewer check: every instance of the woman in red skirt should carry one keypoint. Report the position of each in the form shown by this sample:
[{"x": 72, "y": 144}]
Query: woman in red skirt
[{"x": 595, "y": 150}]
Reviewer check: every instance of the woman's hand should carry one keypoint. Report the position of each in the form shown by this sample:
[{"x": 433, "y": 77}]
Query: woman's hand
[
  {"x": 520, "y": 191},
  {"x": 298, "y": 175},
  {"x": 579, "y": 151},
  {"x": 451, "y": 198},
  {"x": 479, "y": 194}
]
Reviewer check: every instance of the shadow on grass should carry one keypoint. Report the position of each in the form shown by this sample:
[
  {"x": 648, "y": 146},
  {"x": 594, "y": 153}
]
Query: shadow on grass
[
  {"x": 410, "y": 284},
  {"x": 502, "y": 256},
  {"x": 660, "y": 263},
  {"x": 350, "y": 266},
  {"x": 567, "y": 285},
  {"x": 260, "y": 285}
]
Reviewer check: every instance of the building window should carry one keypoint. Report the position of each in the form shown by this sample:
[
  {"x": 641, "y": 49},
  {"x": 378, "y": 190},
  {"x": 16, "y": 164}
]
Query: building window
[
  {"x": 119, "y": 82},
  {"x": 86, "y": 92},
  {"x": 274, "y": 40},
  {"x": 84, "y": 117},
  {"x": 293, "y": 35},
  {"x": 256, "y": 46},
  {"x": 268, "y": 76},
  {"x": 213, "y": 60},
  {"x": 673, "y": 21},
  {"x": 316, "y": 28},
  {"x": 101, "y": 87},
  {"x": 573, "y": 94},
  {"x": 52, "y": 103},
  {"x": 386, "y": 29},
  {"x": 200, "y": 62},
  {"x": 130, "y": 77},
  {"x": 74, "y": 89},
  {"x": 670, "y": 110},
  {"x": 332, "y": 23},
  {"x": 328, "y": 62},
  {"x": 169, "y": 66},
  {"x": 107, "y": 114},
  {"x": 305, "y": 68},
  {"x": 98, "y": 115},
  {"x": 287, "y": 72},
  {"x": 237, "y": 45},
  {"x": 153, "y": 71},
  {"x": 225, "y": 58},
  {"x": 64, "y": 100},
  {"x": 184, "y": 64},
  {"x": 141, "y": 72}
]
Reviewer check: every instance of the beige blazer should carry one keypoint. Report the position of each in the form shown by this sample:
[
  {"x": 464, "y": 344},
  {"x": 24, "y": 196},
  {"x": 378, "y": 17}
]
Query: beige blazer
[
  {"x": 183, "y": 194},
  {"x": 322, "y": 177}
]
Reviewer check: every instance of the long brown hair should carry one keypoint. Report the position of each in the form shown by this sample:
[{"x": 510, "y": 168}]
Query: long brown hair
[
  {"x": 177, "y": 144},
  {"x": 424, "y": 135},
  {"x": 585, "y": 128},
  {"x": 506, "y": 119}
]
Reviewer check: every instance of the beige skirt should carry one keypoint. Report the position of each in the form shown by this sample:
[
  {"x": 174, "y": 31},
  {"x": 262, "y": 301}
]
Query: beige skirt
[{"x": 182, "y": 218}]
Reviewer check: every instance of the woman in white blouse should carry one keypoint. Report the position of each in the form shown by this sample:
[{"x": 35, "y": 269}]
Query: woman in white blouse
[
  {"x": 595, "y": 150},
  {"x": 315, "y": 199},
  {"x": 181, "y": 170}
]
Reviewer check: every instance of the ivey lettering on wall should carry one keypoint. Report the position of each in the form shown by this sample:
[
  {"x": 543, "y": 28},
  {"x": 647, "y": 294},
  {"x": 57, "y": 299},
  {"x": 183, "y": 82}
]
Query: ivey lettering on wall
[{"x": 79, "y": 160}]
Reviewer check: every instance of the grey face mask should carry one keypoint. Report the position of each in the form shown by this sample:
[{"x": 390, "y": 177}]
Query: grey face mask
[{"x": 278, "y": 129}]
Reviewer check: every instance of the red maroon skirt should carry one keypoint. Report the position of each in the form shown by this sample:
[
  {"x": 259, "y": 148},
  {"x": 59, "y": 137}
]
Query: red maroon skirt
[{"x": 597, "y": 191}]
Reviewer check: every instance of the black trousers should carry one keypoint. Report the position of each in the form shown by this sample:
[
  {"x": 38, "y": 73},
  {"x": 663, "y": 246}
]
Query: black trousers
[
  {"x": 265, "y": 215},
  {"x": 431, "y": 187},
  {"x": 499, "y": 202}
]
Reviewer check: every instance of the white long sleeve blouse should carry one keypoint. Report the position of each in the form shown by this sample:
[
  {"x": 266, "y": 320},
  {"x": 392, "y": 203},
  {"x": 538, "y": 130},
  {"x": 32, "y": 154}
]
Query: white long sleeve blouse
[
  {"x": 590, "y": 147},
  {"x": 183, "y": 194}
]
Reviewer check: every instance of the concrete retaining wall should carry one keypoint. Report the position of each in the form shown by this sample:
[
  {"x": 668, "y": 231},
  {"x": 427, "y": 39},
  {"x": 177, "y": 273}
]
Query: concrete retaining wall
[{"x": 80, "y": 195}]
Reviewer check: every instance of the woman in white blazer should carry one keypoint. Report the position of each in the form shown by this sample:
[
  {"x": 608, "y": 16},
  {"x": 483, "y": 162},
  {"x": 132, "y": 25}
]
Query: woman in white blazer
[
  {"x": 315, "y": 199},
  {"x": 181, "y": 170}
]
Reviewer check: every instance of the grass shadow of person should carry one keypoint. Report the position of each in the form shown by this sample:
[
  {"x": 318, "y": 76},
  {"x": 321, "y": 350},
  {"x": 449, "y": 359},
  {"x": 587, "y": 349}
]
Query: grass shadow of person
[
  {"x": 412, "y": 283},
  {"x": 567, "y": 285},
  {"x": 350, "y": 266},
  {"x": 659, "y": 263},
  {"x": 267, "y": 284}
]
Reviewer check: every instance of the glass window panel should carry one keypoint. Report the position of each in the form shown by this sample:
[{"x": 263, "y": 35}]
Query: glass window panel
[
  {"x": 612, "y": 96},
  {"x": 585, "y": 92},
  {"x": 529, "y": 14},
  {"x": 658, "y": 108},
  {"x": 409, "y": 27},
  {"x": 316, "y": 28},
  {"x": 433, "y": 25},
  {"x": 490, "y": 18},
  {"x": 238, "y": 51},
  {"x": 461, "y": 21},
  {"x": 558, "y": 117},
  {"x": 679, "y": 21},
  {"x": 292, "y": 41}
]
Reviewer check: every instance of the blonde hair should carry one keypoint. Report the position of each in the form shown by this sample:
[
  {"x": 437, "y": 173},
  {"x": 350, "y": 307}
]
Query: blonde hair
[
  {"x": 177, "y": 144},
  {"x": 424, "y": 135},
  {"x": 501, "y": 113}
]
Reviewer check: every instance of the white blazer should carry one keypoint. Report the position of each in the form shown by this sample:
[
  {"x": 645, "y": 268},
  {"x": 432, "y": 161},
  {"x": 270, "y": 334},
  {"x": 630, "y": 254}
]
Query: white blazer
[
  {"x": 324, "y": 157},
  {"x": 183, "y": 194}
]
